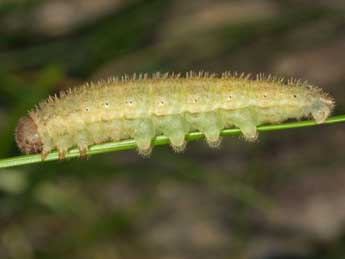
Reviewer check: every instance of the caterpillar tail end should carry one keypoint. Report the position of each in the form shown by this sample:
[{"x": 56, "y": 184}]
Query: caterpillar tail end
[
  {"x": 322, "y": 109},
  {"x": 27, "y": 137}
]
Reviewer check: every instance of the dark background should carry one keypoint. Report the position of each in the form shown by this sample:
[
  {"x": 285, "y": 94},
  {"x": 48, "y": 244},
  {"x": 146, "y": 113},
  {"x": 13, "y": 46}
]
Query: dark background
[{"x": 282, "y": 197}]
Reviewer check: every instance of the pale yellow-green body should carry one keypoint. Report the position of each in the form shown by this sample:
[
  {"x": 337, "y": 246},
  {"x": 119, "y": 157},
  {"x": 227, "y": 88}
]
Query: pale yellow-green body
[{"x": 173, "y": 106}]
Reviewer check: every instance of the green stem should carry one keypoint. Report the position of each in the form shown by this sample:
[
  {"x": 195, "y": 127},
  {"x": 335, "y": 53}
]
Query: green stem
[{"x": 160, "y": 140}]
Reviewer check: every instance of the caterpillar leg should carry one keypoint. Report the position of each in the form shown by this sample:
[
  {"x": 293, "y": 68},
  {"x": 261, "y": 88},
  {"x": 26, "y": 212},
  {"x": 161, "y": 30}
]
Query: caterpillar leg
[
  {"x": 144, "y": 145},
  {"x": 213, "y": 138},
  {"x": 177, "y": 141},
  {"x": 249, "y": 131},
  {"x": 210, "y": 124},
  {"x": 175, "y": 128},
  {"x": 83, "y": 153},
  {"x": 62, "y": 148},
  {"x": 47, "y": 147},
  {"x": 321, "y": 109},
  {"x": 83, "y": 139},
  {"x": 62, "y": 154},
  {"x": 44, "y": 154},
  {"x": 245, "y": 121},
  {"x": 320, "y": 116},
  {"x": 143, "y": 132},
  {"x": 63, "y": 143}
]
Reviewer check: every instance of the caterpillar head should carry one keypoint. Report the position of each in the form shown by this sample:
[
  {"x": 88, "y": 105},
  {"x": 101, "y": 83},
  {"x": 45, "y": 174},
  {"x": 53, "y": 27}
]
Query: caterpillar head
[{"x": 27, "y": 137}]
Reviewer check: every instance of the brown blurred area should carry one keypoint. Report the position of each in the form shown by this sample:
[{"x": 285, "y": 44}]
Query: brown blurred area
[{"x": 282, "y": 197}]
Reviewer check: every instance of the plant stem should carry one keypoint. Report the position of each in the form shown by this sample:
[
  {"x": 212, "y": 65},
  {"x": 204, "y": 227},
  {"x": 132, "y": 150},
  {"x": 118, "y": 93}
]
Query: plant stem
[{"x": 160, "y": 140}]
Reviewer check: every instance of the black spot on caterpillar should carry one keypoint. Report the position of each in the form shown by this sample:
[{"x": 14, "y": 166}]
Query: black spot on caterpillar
[{"x": 144, "y": 107}]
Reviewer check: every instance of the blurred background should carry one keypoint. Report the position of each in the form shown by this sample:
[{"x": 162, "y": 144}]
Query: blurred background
[{"x": 282, "y": 197}]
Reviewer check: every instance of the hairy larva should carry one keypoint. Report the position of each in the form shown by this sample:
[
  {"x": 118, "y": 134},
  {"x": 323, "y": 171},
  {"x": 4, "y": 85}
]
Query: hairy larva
[{"x": 144, "y": 107}]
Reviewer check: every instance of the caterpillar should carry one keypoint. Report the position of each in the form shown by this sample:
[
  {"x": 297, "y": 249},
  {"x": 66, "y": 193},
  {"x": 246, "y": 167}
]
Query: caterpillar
[{"x": 142, "y": 107}]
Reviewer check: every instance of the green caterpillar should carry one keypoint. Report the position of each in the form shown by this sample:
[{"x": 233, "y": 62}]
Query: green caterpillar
[{"x": 146, "y": 106}]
